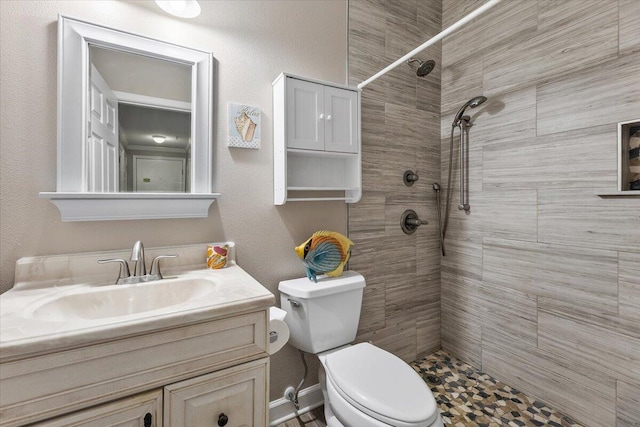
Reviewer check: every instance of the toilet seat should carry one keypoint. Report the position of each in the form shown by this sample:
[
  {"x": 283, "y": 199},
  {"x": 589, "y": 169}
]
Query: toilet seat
[{"x": 380, "y": 385}]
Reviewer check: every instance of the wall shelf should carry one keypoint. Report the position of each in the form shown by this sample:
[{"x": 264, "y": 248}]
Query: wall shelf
[{"x": 78, "y": 206}]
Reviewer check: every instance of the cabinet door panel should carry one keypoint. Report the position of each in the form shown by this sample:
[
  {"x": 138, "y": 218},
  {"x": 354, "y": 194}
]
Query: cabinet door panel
[
  {"x": 305, "y": 115},
  {"x": 237, "y": 394},
  {"x": 143, "y": 410},
  {"x": 341, "y": 111}
]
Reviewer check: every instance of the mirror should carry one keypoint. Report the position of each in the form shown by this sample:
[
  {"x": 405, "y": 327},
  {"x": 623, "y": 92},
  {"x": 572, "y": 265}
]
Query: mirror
[
  {"x": 134, "y": 113},
  {"x": 147, "y": 145},
  {"x": 134, "y": 126}
]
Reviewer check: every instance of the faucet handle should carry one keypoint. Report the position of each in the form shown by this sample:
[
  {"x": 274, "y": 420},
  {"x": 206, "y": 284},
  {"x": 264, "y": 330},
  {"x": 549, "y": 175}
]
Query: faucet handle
[
  {"x": 155, "y": 265},
  {"x": 124, "y": 268}
]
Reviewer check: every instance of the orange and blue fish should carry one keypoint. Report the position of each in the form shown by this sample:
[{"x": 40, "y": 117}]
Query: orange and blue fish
[{"x": 325, "y": 252}]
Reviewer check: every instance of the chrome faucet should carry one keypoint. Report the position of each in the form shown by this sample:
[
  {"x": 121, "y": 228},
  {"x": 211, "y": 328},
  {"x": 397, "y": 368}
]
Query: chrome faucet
[
  {"x": 137, "y": 257},
  {"x": 125, "y": 277}
]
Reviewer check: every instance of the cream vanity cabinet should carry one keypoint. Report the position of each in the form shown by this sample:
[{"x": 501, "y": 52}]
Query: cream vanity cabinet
[
  {"x": 230, "y": 397},
  {"x": 316, "y": 140},
  {"x": 213, "y": 373}
]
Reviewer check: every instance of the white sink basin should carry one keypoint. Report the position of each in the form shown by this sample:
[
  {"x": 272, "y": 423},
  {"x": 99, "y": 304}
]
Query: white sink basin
[{"x": 123, "y": 300}]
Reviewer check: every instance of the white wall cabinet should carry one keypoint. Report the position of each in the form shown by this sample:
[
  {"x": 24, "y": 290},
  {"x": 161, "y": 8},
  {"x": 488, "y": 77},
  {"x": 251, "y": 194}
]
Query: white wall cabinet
[{"x": 316, "y": 141}]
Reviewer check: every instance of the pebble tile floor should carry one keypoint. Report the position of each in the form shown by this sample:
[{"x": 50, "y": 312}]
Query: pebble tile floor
[{"x": 467, "y": 397}]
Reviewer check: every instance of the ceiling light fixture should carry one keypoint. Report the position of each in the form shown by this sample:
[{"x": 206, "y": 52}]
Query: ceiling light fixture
[
  {"x": 159, "y": 139},
  {"x": 180, "y": 8}
]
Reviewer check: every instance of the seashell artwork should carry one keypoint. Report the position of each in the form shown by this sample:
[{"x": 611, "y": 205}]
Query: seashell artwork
[{"x": 243, "y": 126}]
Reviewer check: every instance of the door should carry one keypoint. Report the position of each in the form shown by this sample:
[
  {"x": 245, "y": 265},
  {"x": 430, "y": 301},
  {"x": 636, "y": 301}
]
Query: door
[
  {"x": 233, "y": 397},
  {"x": 102, "y": 149},
  {"x": 341, "y": 116},
  {"x": 305, "y": 115},
  {"x": 152, "y": 174}
]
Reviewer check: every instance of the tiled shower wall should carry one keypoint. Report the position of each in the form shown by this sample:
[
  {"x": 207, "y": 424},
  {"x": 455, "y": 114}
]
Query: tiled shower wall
[
  {"x": 400, "y": 131},
  {"x": 541, "y": 282}
]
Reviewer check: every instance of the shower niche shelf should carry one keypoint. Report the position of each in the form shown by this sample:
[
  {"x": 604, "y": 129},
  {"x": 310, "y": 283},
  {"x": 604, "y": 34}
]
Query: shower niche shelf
[{"x": 316, "y": 141}]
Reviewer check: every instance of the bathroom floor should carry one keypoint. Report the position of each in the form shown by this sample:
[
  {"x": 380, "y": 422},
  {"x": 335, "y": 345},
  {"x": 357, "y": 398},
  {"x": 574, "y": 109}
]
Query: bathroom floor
[{"x": 468, "y": 398}]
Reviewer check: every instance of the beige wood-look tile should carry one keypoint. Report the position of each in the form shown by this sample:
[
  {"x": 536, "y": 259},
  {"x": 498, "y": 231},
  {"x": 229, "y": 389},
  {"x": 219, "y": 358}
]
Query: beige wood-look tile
[
  {"x": 629, "y": 30},
  {"x": 383, "y": 167},
  {"x": 580, "y": 341},
  {"x": 367, "y": 24},
  {"x": 590, "y": 314},
  {"x": 508, "y": 117},
  {"x": 372, "y": 119},
  {"x": 428, "y": 330},
  {"x": 406, "y": 126},
  {"x": 507, "y": 23},
  {"x": 629, "y": 285},
  {"x": 372, "y": 312},
  {"x": 428, "y": 253},
  {"x": 382, "y": 258},
  {"x": 592, "y": 97},
  {"x": 367, "y": 217},
  {"x": 407, "y": 296},
  {"x": 400, "y": 86},
  {"x": 572, "y": 35},
  {"x": 580, "y": 218},
  {"x": 577, "y": 275},
  {"x": 399, "y": 339},
  {"x": 628, "y": 404},
  {"x": 428, "y": 166},
  {"x": 460, "y": 82},
  {"x": 507, "y": 214},
  {"x": 579, "y": 158},
  {"x": 463, "y": 260},
  {"x": 542, "y": 375},
  {"x": 462, "y": 309},
  {"x": 429, "y": 18},
  {"x": 428, "y": 89},
  {"x": 401, "y": 27},
  {"x": 510, "y": 313},
  {"x": 454, "y": 10}
]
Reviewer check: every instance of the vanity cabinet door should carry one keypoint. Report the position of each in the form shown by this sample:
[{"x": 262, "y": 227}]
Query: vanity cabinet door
[
  {"x": 233, "y": 397},
  {"x": 142, "y": 410}
]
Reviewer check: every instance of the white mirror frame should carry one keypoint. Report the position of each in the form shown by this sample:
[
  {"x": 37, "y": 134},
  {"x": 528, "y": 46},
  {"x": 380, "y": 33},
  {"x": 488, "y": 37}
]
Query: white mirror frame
[{"x": 71, "y": 197}]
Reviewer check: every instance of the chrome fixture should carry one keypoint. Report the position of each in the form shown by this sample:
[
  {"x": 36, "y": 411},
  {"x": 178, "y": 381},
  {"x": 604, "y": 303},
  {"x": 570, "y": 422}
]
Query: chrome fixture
[
  {"x": 473, "y": 103},
  {"x": 436, "y": 188},
  {"x": 463, "y": 123},
  {"x": 139, "y": 267},
  {"x": 409, "y": 178},
  {"x": 424, "y": 67},
  {"x": 409, "y": 221}
]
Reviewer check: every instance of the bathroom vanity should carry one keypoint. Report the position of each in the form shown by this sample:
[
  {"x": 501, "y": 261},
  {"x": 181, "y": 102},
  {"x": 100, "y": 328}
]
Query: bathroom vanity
[{"x": 190, "y": 349}]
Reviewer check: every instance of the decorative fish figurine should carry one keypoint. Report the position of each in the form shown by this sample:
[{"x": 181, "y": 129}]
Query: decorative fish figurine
[
  {"x": 325, "y": 252},
  {"x": 217, "y": 256}
]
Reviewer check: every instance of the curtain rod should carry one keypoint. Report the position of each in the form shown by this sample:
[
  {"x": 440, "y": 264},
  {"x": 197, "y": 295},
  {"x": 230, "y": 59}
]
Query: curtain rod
[{"x": 432, "y": 40}]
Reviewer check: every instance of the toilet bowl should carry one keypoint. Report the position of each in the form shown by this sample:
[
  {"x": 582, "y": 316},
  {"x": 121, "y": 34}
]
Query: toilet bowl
[
  {"x": 362, "y": 385},
  {"x": 365, "y": 386}
]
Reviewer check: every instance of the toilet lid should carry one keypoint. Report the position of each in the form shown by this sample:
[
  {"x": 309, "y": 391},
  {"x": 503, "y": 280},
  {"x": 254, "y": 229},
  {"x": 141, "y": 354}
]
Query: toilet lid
[{"x": 381, "y": 385}]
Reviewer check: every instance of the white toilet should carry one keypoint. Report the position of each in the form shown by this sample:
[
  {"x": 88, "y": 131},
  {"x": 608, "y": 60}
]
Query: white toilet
[{"x": 363, "y": 385}]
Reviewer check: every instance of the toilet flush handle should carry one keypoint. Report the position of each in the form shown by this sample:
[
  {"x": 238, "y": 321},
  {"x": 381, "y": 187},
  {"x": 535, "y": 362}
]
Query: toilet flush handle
[{"x": 294, "y": 303}]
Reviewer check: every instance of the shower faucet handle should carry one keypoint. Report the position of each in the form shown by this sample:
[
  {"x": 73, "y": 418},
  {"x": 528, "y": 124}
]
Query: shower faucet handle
[
  {"x": 409, "y": 177},
  {"x": 409, "y": 221}
]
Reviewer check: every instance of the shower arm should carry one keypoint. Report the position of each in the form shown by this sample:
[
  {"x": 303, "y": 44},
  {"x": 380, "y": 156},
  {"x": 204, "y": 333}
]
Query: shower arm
[{"x": 479, "y": 11}]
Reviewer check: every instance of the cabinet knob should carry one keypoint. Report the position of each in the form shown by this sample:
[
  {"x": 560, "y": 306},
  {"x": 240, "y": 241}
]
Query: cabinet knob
[
  {"x": 321, "y": 116},
  {"x": 329, "y": 117},
  {"x": 222, "y": 419}
]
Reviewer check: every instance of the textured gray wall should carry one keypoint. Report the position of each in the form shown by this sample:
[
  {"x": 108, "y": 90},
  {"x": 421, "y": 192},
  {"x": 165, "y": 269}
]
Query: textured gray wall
[
  {"x": 541, "y": 285},
  {"x": 400, "y": 131}
]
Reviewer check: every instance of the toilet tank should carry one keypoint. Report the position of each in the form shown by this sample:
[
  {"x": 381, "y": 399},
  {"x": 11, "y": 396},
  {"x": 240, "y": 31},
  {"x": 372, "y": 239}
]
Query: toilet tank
[{"x": 322, "y": 315}]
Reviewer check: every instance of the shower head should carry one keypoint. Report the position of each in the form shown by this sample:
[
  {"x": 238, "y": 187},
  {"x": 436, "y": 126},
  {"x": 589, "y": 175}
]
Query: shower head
[
  {"x": 473, "y": 103},
  {"x": 424, "y": 67}
]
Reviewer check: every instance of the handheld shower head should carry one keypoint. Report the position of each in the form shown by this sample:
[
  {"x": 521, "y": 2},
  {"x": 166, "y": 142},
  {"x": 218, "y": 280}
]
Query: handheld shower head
[
  {"x": 424, "y": 67},
  {"x": 473, "y": 103}
]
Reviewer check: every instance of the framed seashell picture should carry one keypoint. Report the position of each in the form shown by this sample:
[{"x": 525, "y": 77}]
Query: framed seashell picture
[{"x": 243, "y": 126}]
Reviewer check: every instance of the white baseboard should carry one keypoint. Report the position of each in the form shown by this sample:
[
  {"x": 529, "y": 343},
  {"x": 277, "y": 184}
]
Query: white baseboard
[{"x": 281, "y": 410}]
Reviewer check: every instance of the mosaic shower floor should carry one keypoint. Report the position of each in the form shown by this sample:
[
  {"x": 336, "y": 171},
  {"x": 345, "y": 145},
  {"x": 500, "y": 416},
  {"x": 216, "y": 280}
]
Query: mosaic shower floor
[{"x": 468, "y": 398}]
